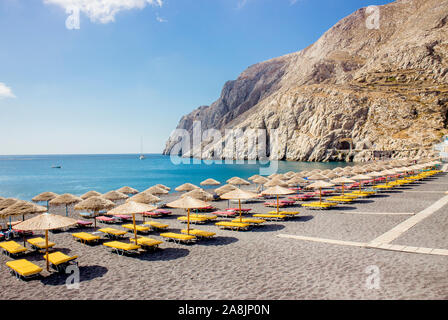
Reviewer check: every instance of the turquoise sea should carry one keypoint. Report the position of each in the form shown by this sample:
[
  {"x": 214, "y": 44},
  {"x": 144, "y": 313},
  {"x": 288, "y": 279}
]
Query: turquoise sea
[{"x": 23, "y": 177}]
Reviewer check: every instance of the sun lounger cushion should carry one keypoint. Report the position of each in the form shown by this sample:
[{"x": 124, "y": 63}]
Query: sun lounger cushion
[
  {"x": 112, "y": 231},
  {"x": 249, "y": 220},
  {"x": 122, "y": 246},
  {"x": 233, "y": 225},
  {"x": 24, "y": 267},
  {"x": 270, "y": 216},
  {"x": 178, "y": 236},
  {"x": 12, "y": 247},
  {"x": 57, "y": 258},
  {"x": 192, "y": 219},
  {"x": 156, "y": 225},
  {"x": 146, "y": 242},
  {"x": 40, "y": 243},
  {"x": 85, "y": 237},
  {"x": 199, "y": 233},
  {"x": 137, "y": 227}
]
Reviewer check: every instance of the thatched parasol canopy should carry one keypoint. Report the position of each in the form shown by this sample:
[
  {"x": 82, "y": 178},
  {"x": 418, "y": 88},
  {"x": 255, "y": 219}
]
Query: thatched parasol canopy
[
  {"x": 187, "y": 203},
  {"x": 186, "y": 187},
  {"x": 260, "y": 180},
  {"x": 90, "y": 194},
  {"x": 199, "y": 194},
  {"x": 342, "y": 180},
  {"x": 331, "y": 175},
  {"x": 320, "y": 185},
  {"x": 65, "y": 199},
  {"x": 316, "y": 177},
  {"x": 114, "y": 195},
  {"x": 276, "y": 182},
  {"x": 277, "y": 190},
  {"x": 156, "y": 190},
  {"x": 44, "y": 222},
  {"x": 238, "y": 181},
  {"x": 95, "y": 204},
  {"x": 7, "y": 203},
  {"x": 210, "y": 182},
  {"x": 21, "y": 207},
  {"x": 255, "y": 176},
  {"x": 127, "y": 190},
  {"x": 131, "y": 207},
  {"x": 296, "y": 181},
  {"x": 144, "y": 197},
  {"x": 361, "y": 177},
  {"x": 224, "y": 189},
  {"x": 163, "y": 187},
  {"x": 45, "y": 196},
  {"x": 239, "y": 194}
]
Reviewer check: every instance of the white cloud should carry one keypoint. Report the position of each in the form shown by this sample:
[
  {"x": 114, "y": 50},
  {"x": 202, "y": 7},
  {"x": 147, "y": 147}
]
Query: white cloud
[
  {"x": 102, "y": 11},
  {"x": 160, "y": 19},
  {"x": 5, "y": 91}
]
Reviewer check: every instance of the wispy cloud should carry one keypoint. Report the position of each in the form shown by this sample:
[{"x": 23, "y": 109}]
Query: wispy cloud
[
  {"x": 102, "y": 11},
  {"x": 160, "y": 19},
  {"x": 5, "y": 91}
]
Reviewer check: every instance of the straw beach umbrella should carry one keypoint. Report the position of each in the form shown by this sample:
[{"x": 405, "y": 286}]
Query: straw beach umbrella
[
  {"x": 186, "y": 187},
  {"x": 276, "y": 182},
  {"x": 45, "y": 222},
  {"x": 7, "y": 203},
  {"x": 127, "y": 190},
  {"x": 224, "y": 189},
  {"x": 199, "y": 194},
  {"x": 239, "y": 195},
  {"x": 255, "y": 176},
  {"x": 95, "y": 204},
  {"x": 143, "y": 197},
  {"x": 163, "y": 187},
  {"x": 65, "y": 199},
  {"x": 45, "y": 197},
  {"x": 277, "y": 190},
  {"x": 361, "y": 177},
  {"x": 114, "y": 196},
  {"x": 90, "y": 194},
  {"x": 20, "y": 208},
  {"x": 319, "y": 185},
  {"x": 188, "y": 203},
  {"x": 210, "y": 182},
  {"x": 342, "y": 181},
  {"x": 132, "y": 208},
  {"x": 238, "y": 181},
  {"x": 156, "y": 190}
]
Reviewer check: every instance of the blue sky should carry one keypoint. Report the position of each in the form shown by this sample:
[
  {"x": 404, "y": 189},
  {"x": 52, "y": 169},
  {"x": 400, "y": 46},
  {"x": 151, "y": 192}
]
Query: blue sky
[{"x": 134, "y": 72}]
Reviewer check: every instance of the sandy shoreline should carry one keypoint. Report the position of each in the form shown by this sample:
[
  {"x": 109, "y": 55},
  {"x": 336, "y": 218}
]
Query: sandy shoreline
[{"x": 258, "y": 264}]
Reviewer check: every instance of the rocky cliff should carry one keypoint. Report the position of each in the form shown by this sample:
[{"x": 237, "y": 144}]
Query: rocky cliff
[{"x": 355, "y": 90}]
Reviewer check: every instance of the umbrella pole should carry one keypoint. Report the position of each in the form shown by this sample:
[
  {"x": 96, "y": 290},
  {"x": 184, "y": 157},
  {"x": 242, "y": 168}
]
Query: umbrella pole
[
  {"x": 320, "y": 195},
  {"x": 135, "y": 227},
  {"x": 94, "y": 219},
  {"x": 278, "y": 208},
  {"x": 188, "y": 221},
  {"x": 342, "y": 189},
  {"x": 239, "y": 203},
  {"x": 46, "y": 250},
  {"x": 66, "y": 210}
]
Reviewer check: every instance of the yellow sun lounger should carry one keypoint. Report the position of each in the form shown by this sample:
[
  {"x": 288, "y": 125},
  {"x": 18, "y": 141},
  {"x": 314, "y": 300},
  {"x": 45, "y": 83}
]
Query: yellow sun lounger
[
  {"x": 121, "y": 247},
  {"x": 205, "y": 216},
  {"x": 60, "y": 260},
  {"x": 285, "y": 213},
  {"x": 178, "y": 238},
  {"x": 12, "y": 248},
  {"x": 85, "y": 237},
  {"x": 249, "y": 220},
  {"x": 340, "y": 199},
  {"x": 156, "y": 225},
  {"x": 22, "y": 268},
  {"x": 113, "y": 233},
  {"x": 233, "y": 225},
  {"x": 141, "y": 229},
  {"x": 147, "y": 243},
  {"x": 192, "y": 219},
  {"x": 199, "y": 233},
  {"x": 270, "y": 216},
  {"x": 39, "y": 243},
  {"x": 319, "y": 205}
]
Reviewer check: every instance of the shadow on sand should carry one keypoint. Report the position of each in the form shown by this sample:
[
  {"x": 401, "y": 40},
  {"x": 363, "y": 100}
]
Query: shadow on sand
[{"x": 86, "y": 273}]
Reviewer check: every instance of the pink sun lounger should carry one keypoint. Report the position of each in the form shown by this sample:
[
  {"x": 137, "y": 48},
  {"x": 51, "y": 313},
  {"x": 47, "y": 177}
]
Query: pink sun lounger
[{"x": 105, "y": 219}]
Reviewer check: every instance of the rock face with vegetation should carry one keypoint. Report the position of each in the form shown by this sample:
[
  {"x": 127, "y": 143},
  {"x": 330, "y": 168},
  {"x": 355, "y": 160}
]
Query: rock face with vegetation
[{"x": 355, "y": 90}]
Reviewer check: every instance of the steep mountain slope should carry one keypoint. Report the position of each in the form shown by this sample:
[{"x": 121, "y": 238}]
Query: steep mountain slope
[{"x": 358, "y": 88}]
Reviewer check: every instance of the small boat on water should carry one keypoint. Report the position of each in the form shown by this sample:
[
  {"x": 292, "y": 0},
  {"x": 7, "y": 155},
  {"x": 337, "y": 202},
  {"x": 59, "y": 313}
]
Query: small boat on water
[{"x": 56, "y": 167}]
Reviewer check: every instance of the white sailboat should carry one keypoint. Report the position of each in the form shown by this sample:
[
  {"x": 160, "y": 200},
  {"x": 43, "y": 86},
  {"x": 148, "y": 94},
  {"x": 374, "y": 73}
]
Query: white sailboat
[{"x": 141, "y": 157}]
